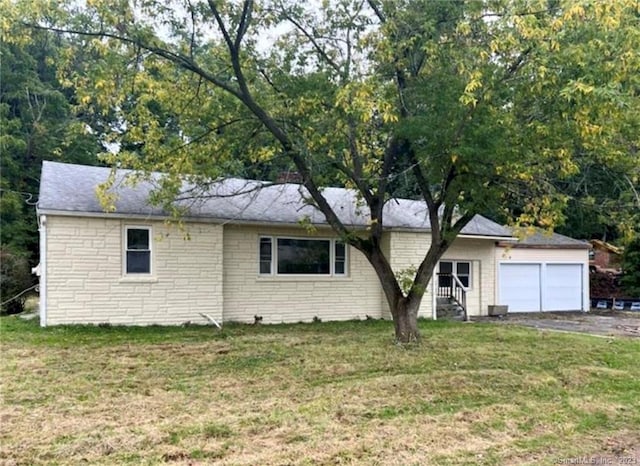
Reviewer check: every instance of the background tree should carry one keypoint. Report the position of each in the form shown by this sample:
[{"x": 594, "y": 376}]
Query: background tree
[
  {"x": 38, "y": 122},
  {"x": 471, "y": 106},
  {"x": 631, "y": 269},
  {"x": 15, "y": 280}
]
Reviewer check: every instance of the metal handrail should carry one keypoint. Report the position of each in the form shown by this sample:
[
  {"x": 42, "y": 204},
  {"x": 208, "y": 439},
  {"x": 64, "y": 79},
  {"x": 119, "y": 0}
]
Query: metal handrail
[
  {"x": 460, "y": 295},
  {"x": 455, "y": 291}
]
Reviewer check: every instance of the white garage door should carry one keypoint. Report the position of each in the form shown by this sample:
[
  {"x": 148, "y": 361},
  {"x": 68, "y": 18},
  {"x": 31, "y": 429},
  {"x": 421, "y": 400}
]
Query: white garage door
[
  {"x": 563, "y": 287},
  {"x": 520, "y": 287},
  {"x": 536, "y": 287}
]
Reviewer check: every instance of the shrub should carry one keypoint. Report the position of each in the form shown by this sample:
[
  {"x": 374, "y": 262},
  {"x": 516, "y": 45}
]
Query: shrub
[{"x": 15, "y": 277}]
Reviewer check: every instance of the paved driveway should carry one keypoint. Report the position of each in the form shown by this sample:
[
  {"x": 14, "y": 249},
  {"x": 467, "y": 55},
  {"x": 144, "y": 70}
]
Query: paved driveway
[{"x": 619, "y": 324}]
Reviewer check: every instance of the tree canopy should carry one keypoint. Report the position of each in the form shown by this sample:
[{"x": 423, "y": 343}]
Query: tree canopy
[
  {"x": 473, "y": 106},
  {"x": 631, "y": 268},
  {"x": 38, "y": 121}
]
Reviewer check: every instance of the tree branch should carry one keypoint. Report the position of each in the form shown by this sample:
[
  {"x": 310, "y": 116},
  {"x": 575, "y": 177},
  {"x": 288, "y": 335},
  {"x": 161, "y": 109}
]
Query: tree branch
[
  {"x": 221, "y": 26},
  {"x": 192, "y": 39},
  {"x": 432, "y": 205},
  {"x": 323, "y": 54},
  {"x": 245, "y": 18},
  {"x": 377, "y": 203},
  {"x": 633, "y": 189},
  {"x": 176, "y": 58},
  {"x": 356, "y": 158},
  {"x": 451, "y": 175},
  {"x": 377, "y": 11}
]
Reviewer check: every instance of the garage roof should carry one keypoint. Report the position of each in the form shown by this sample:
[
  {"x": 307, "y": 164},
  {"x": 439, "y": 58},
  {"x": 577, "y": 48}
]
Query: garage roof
[{"x": 546, "y": 240}]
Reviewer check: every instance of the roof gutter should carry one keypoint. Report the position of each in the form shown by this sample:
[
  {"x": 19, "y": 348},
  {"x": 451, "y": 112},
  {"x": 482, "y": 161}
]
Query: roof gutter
[
  {"x": 224, "y": 221},
  {"x": 160, "y": 218},
  {"x": 494, "y": 238},
  {"x": 544, "y": 246}
]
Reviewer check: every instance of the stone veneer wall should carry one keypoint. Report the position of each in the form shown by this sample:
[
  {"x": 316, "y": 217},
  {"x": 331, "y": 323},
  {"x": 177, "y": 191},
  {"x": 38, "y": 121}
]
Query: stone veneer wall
[{"x": 86, "y": 283}]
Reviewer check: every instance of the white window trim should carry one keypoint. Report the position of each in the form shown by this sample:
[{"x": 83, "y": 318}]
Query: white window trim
[
  {"x": 454, "y": 262},
  {"x": 271, "y": 270},
  {"x": 144, "y": 276},
  {"x": 332, "y": 258}
]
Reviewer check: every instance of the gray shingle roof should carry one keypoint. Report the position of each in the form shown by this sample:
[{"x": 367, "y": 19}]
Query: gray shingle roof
[
  {"x": 69, "y": 189},
  {"x": 543, "y": 239}
]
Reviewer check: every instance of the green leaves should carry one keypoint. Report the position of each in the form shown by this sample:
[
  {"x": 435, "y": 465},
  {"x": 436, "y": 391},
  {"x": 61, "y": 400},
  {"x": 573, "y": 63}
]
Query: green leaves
[
  {"x": 504, "y": 95},
  {"x": 631, "y": 268},
  {"x": 38, "y": 122}
]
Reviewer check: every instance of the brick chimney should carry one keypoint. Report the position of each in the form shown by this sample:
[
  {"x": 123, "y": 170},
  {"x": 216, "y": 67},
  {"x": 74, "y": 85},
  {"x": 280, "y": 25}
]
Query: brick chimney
[{"x": 289, "y": 177}]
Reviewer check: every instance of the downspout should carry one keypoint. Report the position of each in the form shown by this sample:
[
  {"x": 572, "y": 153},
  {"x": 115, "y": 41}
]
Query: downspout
[
  {"x": 42, "y": 228},
  {"x": 481, "y": 284},
  {"x": 434, "y": 298}
]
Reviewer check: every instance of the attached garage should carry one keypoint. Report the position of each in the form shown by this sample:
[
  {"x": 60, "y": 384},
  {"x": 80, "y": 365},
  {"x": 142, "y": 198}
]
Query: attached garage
[{"x": 543, "y": 273}]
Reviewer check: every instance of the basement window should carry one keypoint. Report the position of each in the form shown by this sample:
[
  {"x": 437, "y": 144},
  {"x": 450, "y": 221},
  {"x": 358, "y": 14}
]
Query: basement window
[{"x": 137, "y": 250}]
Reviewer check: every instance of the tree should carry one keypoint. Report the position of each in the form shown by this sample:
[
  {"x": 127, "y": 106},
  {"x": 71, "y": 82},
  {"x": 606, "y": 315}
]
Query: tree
[
  {"x": 605, "y": 201},
  {"x": 631, "y": 268},
  {"x": 470, "y": 105},
  {"x": 37, "y": 122},
  {"x": 15, "y": 279}
]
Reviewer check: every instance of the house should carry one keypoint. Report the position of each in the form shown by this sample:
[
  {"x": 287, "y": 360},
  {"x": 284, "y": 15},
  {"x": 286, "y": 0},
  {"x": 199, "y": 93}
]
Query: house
[
  {"x": 244, "y": 255},
  {"x": 604, "y": 257}
]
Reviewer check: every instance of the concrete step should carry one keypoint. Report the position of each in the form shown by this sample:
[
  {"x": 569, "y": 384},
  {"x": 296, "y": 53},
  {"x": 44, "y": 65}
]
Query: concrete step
[{"x": 448, "y": 309}]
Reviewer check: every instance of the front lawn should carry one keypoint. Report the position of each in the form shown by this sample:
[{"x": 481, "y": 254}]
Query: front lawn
[{"x": 329, "y": 393}]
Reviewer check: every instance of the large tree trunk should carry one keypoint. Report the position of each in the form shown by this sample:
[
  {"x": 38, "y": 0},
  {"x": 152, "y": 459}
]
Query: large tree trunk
[
  {"x": 405, "y": 320},
  {"x": 404, "y": 309}
]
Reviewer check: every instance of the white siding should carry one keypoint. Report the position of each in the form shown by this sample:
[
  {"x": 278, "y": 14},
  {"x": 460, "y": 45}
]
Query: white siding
[
  {"x": 542, "y": 255},
  {"x": 85, "y": 282},
  {"x": 290, "y": 298},
  {"x": 407, "y": 249},
  {"x": 481, "y": 253}
]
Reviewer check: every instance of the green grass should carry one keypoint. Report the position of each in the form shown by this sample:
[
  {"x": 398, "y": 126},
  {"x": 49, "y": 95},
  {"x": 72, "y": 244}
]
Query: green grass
[{"x": 321, "y": 393}]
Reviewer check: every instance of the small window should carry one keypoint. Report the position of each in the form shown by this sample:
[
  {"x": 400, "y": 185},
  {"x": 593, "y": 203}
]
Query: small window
[
  {"x": 444, "y": 275},
  {"x": 138, "y": 250},
  {"x": 265, "y": 256},
  {"x": 461, "y": 269},
  {"x": 340, "y": 259}
]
